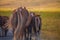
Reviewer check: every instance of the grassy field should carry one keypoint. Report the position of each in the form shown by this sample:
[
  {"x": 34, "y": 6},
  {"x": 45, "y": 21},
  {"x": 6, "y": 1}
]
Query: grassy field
[
  {"x": 50, "y": 29},
  {"x": 50, "y": 25}
]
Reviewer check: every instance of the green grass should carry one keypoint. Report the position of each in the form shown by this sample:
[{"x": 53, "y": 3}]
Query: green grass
[
  {"x": 50, "y": 24},
  {"x": 5, "y": 13}
]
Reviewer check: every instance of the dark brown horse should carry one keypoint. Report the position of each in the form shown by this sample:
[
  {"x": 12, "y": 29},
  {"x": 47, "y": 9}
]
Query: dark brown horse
[
  {"x": 35, "y": 24},
  {"x": 3, "y": 24}
]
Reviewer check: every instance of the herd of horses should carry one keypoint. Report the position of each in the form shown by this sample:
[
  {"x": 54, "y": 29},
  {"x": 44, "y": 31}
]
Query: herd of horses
[{"x": 24, "y": 24}]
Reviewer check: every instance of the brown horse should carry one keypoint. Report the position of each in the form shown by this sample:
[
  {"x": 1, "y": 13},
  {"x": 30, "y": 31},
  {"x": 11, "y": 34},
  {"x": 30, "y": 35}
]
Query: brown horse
[{"x": 17, "y": 22}]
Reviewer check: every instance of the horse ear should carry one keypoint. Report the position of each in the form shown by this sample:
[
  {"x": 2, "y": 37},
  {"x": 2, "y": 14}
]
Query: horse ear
[
  {"x": 24, "y": 8},
  {"x": 32, "y": 13},
  {"x": 20, "y": 9}
]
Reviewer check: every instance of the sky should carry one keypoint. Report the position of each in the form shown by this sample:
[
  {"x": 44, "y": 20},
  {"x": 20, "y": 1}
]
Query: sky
[{"x": 35, "y": 4}]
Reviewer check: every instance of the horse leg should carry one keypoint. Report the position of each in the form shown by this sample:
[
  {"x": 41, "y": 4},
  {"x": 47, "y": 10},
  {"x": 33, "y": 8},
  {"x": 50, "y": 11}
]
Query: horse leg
[
  {"x": 6, "y": 32},
  {"x": 25, "y": 34},
  {"x": 30, "y": 33}
]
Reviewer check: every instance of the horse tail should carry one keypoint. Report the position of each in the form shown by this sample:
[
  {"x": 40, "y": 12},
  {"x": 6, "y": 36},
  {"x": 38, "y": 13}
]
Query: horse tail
[{"x": 38, "y": 23}]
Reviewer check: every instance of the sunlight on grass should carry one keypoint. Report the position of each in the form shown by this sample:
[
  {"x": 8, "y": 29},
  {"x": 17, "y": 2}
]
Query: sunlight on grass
[{"x": 34, "y": 9}]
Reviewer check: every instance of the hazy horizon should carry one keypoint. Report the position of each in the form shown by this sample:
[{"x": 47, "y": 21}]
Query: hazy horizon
[{"x": 35, "y": 4}]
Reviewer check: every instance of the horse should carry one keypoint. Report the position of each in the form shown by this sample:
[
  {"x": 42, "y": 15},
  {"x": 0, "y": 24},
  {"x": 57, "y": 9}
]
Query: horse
[
  {"x": 3, "y": 23},
  {"x": 35, "y": 24},
  {"x": 38, "y": 24},
  {"x": 17, "y": 22}
]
